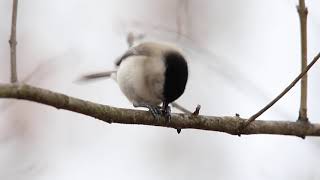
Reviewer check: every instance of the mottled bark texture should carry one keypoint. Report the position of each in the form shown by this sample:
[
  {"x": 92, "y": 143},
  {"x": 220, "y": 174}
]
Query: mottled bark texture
[{"x": 227, "y": 124}]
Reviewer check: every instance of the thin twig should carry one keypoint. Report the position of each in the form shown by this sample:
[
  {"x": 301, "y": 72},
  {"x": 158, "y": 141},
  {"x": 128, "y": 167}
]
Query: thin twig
[
  {"x": 197, "y": 111},
  {"x": 227, "y": 124},
  {"x": 182, "y": 109},
  {"x": 252, "y": 118},
  {"x": 13, "y": 43},
  {"x": 303, "y": 13}
]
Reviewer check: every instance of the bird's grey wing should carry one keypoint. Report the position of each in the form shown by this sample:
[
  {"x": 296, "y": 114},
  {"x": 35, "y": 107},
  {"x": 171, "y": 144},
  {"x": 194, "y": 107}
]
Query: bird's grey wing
[{"x": 134, "y": 51}]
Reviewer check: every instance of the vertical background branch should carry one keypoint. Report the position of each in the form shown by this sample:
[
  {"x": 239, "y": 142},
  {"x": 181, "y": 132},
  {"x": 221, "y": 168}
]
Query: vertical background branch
[
  {"x": 303, "y": 13},
  {"x": 13, "y": 43}
]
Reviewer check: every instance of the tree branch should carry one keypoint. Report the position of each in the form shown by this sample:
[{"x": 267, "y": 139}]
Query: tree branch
[
  {"x": 285, "y": 91},
  {"x": 303, "y": 13},
  {"x": 13, "y": 43},
  {"x": 110, "y": 114}
]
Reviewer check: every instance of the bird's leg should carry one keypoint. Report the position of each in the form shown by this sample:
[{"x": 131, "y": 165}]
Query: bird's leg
[
  {"x": 155, "y": 110},
  {"x": 166, "y": 111}
]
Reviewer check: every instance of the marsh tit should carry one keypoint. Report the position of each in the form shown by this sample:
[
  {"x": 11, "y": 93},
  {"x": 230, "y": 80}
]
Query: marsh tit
[{"x": 152, "y": 73}]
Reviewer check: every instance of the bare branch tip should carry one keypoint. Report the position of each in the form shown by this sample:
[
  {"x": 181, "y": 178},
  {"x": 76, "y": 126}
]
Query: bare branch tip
[{"x": 196, "y": 112}]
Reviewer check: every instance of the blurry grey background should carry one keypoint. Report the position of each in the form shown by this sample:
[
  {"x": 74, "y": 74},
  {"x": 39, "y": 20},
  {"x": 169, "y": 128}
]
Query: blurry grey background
[{"x": 241, "y": 54}]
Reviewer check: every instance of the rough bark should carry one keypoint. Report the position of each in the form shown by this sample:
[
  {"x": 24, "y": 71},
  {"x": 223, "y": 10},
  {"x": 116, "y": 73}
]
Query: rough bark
[{"x": 227, "y": 124}]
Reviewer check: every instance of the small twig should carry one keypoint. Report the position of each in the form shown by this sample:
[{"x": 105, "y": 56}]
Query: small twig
[
  {"x": 182, "y": 109},
  {"x": 186, "y": 111},
  {"x": 303, "y": 13},
  {"x": 13, "y": 43},
  {"x": 252, "y": 118},
  {"x": 197, "y": 111}
]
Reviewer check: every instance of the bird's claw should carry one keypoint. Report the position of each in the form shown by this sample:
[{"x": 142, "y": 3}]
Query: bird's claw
[
  {"x": 155, "y": 111},
  {"x": 166, "y": 112}
]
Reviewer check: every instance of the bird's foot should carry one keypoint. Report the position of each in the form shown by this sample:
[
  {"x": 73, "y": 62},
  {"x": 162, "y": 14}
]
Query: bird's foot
[
  {"x": 166, "y": 112},
  {"x": 154, "y": 110}
]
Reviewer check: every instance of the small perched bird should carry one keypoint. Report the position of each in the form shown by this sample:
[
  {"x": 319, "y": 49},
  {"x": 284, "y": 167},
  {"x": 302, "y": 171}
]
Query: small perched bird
[{"x": 152, "y": 73}]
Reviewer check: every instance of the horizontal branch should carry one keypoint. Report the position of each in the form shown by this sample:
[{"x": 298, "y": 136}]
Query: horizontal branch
[{"x": 227, "y": 124}]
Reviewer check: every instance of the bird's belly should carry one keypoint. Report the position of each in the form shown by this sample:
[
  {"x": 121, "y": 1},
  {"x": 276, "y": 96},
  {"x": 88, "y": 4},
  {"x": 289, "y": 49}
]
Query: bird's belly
[{"x": 132, "y": 82}]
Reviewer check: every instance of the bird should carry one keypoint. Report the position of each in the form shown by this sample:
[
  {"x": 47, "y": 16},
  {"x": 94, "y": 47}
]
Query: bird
[{"x": 152, "y": 73}]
